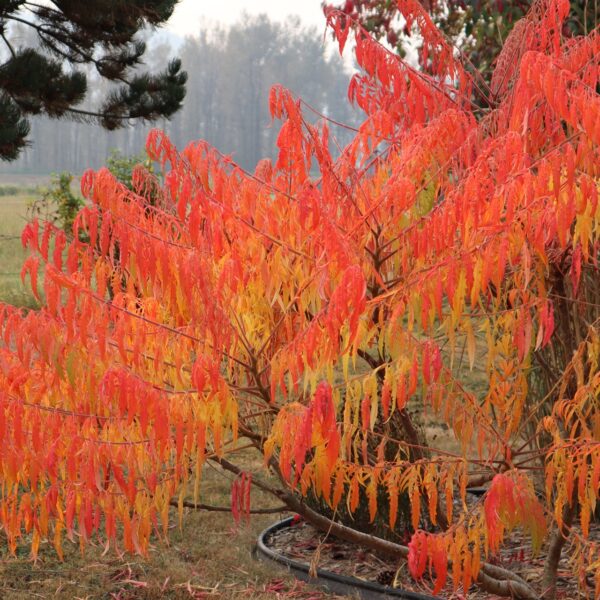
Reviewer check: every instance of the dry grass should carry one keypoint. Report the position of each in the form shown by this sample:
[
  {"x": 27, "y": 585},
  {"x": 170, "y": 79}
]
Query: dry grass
[{"x": 209, "y": 557}]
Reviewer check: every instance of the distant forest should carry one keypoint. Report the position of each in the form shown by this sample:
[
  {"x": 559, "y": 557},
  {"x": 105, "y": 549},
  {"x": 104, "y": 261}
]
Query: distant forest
[{"x": 230, "y": 74}]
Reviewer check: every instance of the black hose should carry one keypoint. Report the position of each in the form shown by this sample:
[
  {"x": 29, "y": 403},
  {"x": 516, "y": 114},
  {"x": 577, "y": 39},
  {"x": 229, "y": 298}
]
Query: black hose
[{"x": 338, "y": 584}]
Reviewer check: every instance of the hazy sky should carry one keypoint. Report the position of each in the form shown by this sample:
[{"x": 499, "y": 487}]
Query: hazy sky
[{"x": 189, "y": 15}]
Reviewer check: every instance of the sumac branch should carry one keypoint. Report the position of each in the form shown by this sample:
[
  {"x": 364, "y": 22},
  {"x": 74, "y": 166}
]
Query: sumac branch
[{"x": 444, "y": 263}]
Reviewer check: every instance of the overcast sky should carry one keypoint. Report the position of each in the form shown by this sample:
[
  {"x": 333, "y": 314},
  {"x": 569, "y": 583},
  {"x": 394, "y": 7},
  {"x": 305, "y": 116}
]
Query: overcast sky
[{"x": 189, "y": 15}]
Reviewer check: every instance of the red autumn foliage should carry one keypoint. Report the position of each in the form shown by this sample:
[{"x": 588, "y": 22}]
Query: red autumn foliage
[{"x": 307, "y": 306}]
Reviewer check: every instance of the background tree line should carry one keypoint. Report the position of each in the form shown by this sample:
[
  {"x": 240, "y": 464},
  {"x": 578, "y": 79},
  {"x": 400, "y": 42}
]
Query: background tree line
[{"x": 230, "y": 74}]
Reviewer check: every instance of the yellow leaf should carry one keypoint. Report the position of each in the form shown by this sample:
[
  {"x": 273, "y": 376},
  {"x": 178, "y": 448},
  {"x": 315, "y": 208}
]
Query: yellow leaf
[{"x": 470, "y": 342}]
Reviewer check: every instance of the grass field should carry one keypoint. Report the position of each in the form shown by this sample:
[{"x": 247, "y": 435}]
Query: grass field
[{"x": 13, "y": 216}]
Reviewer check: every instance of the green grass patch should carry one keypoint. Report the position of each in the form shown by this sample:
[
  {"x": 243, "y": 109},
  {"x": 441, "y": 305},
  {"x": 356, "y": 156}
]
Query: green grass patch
[
  {"x": 16, "y": 190},
  {"x": 13, "y": 217}
]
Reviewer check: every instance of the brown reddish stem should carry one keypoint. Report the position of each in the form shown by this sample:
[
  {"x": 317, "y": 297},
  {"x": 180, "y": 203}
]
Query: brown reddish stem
[
  {"x": 211, "y": 508},
  {"x": 555, "y": 546}
]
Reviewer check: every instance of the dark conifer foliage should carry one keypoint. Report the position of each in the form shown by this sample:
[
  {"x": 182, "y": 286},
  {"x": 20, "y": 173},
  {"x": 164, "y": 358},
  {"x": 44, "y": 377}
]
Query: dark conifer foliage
[{"x": 46, "y": 79}]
